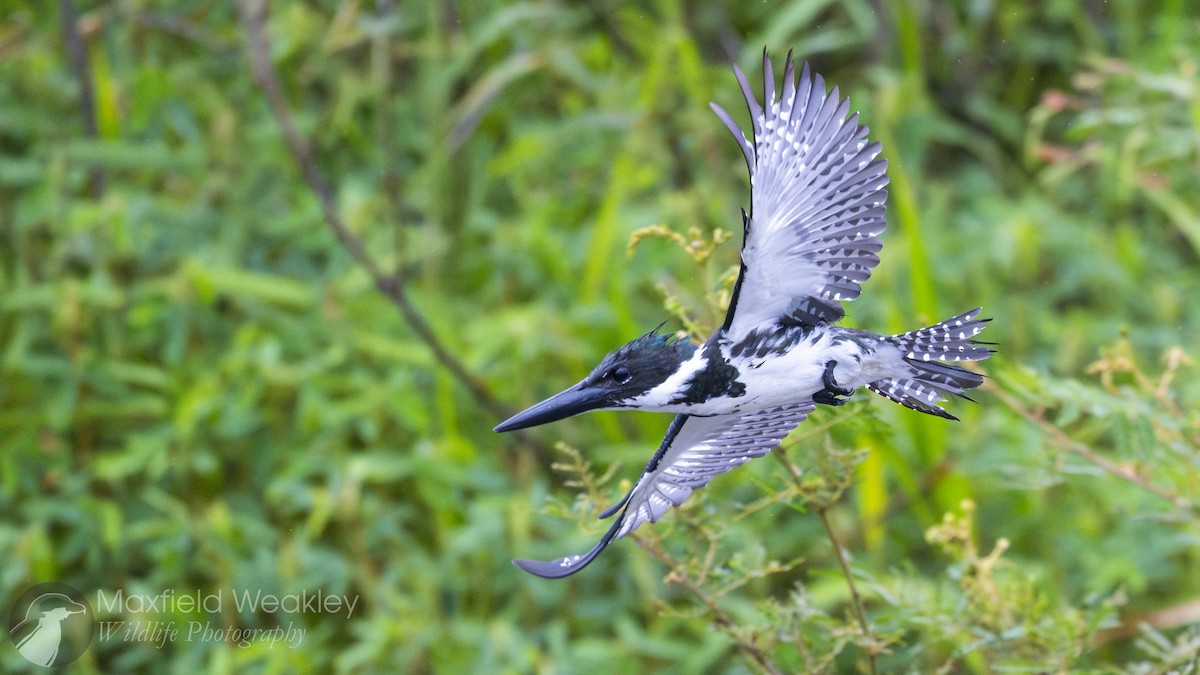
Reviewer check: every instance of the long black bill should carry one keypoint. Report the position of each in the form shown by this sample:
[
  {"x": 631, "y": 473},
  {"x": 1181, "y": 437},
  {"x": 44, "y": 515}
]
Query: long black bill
[{"x": 577, "y": 399}]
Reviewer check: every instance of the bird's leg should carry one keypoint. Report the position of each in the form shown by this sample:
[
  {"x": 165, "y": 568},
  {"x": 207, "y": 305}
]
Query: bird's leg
[{"x": 829, "y": 395}]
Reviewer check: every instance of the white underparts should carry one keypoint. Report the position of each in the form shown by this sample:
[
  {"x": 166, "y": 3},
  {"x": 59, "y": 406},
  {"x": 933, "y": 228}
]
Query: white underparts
[{"x": 779, "y": 377}]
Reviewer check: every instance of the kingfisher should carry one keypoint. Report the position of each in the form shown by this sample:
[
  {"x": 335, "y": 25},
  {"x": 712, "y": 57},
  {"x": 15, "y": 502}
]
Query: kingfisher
[{"x": 811, "y": 238}]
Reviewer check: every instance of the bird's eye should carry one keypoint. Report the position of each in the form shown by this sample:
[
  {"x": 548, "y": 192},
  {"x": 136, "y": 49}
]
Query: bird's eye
[{"x": 620, "y": 374}]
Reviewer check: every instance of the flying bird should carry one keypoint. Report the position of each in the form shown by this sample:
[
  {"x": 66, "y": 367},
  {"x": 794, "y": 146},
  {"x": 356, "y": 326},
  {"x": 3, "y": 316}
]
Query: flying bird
[{"x": 817, "y": 194}]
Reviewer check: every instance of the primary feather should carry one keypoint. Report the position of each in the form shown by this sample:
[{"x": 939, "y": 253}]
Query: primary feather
[{"x": 817, "y": 198}]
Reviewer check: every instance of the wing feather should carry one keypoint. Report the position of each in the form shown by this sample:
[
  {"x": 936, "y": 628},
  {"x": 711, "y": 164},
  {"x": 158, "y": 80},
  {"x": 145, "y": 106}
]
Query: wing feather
[
  {"x": 695, "y": 450},
  {"x": 817, "y": 203}
]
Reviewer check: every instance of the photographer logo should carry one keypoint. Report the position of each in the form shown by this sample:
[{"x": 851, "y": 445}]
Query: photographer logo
[{"x": 51, "y": 624}]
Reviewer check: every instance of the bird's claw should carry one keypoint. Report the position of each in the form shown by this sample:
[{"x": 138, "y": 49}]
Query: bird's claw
[{"x": 831, "y": 393}]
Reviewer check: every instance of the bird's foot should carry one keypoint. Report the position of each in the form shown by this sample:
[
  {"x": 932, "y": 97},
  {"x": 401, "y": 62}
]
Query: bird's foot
[{"x": 831, "y": 393}]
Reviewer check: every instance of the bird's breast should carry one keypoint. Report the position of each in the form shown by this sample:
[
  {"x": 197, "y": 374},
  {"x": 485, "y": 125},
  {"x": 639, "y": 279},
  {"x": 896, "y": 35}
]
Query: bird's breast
[
  {"x": 784, "y": 376},
  {"x": 763, "y": 369}
]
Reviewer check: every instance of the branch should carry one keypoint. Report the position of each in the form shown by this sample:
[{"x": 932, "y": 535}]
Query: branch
[
  {"x": 1174, "y": 616},
  {"x": 839, "y": 551},
  {"x": 1061, "y": 439},
  {"x": 678, "y": 576},
  {"x": 77, "y": 53},
  {"x": 254, "y": 17}
]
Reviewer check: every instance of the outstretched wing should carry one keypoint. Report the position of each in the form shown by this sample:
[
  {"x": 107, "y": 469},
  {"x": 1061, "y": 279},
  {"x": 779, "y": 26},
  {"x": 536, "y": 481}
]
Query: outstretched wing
[
  {"x": 817, "y": 194},
  {"x": 694, "y": 450}
]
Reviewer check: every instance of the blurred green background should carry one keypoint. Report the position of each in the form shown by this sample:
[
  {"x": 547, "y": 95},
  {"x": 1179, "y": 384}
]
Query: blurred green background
[{"x": 201, "y": 390}]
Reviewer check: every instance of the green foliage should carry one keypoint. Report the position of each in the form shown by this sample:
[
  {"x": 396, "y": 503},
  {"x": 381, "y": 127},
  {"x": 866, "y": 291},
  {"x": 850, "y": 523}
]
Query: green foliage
[{"x": 200, "y": 389}]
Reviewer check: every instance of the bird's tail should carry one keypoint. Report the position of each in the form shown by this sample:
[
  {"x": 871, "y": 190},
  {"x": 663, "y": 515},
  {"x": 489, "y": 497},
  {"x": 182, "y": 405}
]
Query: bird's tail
[{"x": 930, "y": 381}]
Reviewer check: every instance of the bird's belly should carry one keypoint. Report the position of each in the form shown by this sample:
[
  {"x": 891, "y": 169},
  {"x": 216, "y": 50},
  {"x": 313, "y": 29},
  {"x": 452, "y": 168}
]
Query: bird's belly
[
  {"x": 784, "y": 379},
  {"x": 793, "y": 376},
  {"x": 779, "y": 379}
]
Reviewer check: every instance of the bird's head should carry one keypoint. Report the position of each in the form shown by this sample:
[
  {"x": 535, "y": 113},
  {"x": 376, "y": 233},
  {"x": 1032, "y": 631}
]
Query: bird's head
[
  {"x": 54, "y": 606},
  {"x": 620, "y": 379}
]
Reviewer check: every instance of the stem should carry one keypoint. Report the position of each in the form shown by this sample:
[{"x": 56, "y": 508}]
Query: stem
[
  {"x": 855, "y": 598},
  {"x": 823, "y": 513},
  {"x": 77, "y": 53},
  {"x": 726, "y": 622},
  {"x": 254, "y": 16},
  {"x": 1065, "y": 442}
]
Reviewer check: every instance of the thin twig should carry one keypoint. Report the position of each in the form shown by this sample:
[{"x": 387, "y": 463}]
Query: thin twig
[
  {"x": 855, "y": 598},
  {"x": 726, "y": 622},
  {"x": 1061, "y": 439},
  {"x": 1166, "y": 618},
  {"x": 254, "y": 16},
  {"x": 392, "y": 179},
  {"x": 823, "y": 512},
  {"x": 77, "y": 53}
]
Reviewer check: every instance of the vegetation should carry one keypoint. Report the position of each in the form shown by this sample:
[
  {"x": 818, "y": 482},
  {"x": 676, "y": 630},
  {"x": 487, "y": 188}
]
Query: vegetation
[{"x": 267, "y": 280}]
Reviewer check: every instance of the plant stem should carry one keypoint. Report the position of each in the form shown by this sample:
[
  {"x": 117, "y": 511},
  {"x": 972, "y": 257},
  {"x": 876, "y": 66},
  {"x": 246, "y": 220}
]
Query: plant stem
[
  {"x": 719, "y": 616},
  {"x": 81, "y": 65},
  {"x": 823, "y": 513},
  {"x": 1061, "y": 439},
  {"x": 254, "y": 17},
  {"x": 855, "y": 598}
]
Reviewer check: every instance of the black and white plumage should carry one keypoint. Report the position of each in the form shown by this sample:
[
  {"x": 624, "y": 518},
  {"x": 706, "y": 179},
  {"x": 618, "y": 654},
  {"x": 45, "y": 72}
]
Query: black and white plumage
[
  {"x": 695, "y": 449},
  {"x": 817, "y": 193},
  {"x": 818, "y": 189}
]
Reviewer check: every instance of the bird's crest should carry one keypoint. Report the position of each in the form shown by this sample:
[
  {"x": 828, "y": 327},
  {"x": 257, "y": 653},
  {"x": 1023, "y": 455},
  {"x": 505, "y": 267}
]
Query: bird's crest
[{"x": 647, "y": 360}]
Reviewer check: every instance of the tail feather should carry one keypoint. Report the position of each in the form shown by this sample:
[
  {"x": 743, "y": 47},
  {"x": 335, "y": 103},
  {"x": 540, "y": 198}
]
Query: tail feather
[
  {"x": 911, "y": 393},
  {"x": 949, "y": 340},
  {"x": 930, "y": 381}
]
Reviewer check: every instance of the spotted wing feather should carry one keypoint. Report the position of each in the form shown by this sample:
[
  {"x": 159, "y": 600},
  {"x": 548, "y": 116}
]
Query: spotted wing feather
[
  {"x": 694, "y": 451},
  {"x": 817, "y": 204}
]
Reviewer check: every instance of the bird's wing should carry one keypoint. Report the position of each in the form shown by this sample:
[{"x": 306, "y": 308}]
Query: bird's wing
[
  {"x": 817, "y": 193},
  {"x": 694, "y": 450}
]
